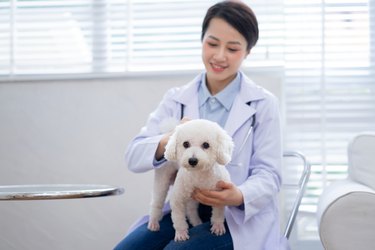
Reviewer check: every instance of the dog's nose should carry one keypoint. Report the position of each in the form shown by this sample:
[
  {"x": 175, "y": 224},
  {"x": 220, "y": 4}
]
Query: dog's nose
[{"x": 193, "y": 161}]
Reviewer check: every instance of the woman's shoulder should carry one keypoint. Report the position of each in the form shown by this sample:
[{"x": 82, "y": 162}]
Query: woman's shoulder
[
  {"x": 255, "y": 90},
  {"x": 180, "y": 92}
]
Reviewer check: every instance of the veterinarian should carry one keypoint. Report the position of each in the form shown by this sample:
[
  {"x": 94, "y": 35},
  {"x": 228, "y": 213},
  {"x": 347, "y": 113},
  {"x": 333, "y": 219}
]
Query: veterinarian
[{"x": 249, "y": 114}]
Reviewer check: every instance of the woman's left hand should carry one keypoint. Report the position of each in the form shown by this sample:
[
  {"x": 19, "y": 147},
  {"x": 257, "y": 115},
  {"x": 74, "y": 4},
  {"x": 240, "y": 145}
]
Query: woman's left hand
[{"x": 227, "y": 194}]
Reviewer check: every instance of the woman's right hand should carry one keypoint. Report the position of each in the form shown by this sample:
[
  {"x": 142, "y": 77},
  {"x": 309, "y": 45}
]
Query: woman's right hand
[
  {"x": 159, "y": 154},
  {"x": 185, "y": 119}
]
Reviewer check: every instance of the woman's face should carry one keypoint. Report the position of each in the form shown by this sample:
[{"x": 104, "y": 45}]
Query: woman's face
[{"x": 223, "y": 51}]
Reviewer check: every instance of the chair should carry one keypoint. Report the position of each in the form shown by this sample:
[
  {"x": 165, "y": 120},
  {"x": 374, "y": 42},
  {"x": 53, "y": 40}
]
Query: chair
[
  {"x": 346, "y": 208},
  {"x": 296, "y": 173}
]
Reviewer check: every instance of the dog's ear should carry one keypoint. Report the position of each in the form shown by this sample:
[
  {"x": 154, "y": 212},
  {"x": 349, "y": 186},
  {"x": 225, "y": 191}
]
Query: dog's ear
[
  {"x": 171, "y": 147},
  {"x": 225, "y": 147}
]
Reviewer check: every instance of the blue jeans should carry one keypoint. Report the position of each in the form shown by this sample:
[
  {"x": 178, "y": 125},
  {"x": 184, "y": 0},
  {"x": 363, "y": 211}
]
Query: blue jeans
[{"x": 200, "y": 238}]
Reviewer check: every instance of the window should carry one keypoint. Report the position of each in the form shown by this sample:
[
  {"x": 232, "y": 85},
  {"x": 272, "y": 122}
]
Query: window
[
  {"x": 52, "y": 37},
  {"x": 41, "y": 37},
  {"x": 329, "y": 83}
]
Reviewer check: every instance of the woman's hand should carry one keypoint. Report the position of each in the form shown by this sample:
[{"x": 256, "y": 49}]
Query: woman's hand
[
  {"x": 159, "y": 154},
  {"x": 227, "y": 194}
]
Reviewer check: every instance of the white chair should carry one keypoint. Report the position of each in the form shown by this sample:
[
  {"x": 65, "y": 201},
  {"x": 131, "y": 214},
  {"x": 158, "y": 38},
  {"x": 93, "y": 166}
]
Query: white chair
[{"x": 346, "y": 209}]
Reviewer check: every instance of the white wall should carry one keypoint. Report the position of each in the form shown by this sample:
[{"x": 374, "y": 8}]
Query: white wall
[{"x": 76, "y": 132}]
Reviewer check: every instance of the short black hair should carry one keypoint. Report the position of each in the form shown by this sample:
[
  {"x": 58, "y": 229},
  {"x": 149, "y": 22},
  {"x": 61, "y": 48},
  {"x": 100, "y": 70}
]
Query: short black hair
[{"x": 239, "y": 15}]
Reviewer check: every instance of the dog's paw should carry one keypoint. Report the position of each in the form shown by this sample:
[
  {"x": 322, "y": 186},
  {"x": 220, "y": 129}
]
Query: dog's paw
[
  {"x": 153, "y": 226},
  {"x": 181, "y": 235},
  {"x": 218, "y": 228}
]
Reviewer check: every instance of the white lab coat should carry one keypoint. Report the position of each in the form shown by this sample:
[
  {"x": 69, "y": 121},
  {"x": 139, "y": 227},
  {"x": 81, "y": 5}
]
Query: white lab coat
[{"x": 255, "y": 170}]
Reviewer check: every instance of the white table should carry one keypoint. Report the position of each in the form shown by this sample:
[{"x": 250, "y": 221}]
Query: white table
[{"x": 57, "y": 191}]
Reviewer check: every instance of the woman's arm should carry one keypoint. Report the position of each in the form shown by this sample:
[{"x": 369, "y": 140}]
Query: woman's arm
[{"x": 148, "y": 146}]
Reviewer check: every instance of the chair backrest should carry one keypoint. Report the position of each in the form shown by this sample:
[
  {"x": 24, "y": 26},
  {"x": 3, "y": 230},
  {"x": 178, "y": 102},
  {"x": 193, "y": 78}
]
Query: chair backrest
[
  {"x": 296, "y": 173},
  {"x": 361, "y": 157}
]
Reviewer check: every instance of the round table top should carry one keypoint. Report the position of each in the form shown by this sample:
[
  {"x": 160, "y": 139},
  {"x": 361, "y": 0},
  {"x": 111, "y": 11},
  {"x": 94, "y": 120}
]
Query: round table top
[{"x": 57, "y": 191}]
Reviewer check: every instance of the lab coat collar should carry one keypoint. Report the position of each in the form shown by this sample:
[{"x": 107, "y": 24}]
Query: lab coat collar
[{"x": 240, "y": 112}]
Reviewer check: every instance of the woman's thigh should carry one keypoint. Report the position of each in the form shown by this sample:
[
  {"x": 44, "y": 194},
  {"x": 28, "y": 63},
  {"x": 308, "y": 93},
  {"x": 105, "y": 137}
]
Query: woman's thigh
[
  {"x": 202, "y": 238},
  {"x": 143, "y": 239}
]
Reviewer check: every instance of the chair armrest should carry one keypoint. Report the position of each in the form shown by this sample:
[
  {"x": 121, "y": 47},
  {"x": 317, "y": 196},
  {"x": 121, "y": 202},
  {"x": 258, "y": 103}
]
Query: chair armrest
[
  {"x": 346, "y": 216},
  {"x": 336, "y": 190},
  {"x": 301, "y": 187}
]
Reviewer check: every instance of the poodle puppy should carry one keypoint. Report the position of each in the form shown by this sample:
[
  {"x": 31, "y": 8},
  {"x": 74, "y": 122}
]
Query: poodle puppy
[{"x": 199, "y": 150}]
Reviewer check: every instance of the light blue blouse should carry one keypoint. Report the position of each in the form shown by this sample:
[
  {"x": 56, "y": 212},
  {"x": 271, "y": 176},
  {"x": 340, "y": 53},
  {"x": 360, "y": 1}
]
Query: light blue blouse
[{"x": 216, "y": 108}]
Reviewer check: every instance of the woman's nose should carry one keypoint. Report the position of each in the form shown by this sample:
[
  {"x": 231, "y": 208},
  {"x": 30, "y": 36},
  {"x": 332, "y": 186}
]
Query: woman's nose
[{"x": 220, "y": 55}]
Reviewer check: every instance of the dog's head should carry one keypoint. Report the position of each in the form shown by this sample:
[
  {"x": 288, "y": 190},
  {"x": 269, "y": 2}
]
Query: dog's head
[{"x": 199, "y": 144}]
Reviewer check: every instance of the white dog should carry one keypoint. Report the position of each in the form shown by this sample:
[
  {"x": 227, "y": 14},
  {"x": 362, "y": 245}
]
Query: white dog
[{"x": 199, "y": 150}]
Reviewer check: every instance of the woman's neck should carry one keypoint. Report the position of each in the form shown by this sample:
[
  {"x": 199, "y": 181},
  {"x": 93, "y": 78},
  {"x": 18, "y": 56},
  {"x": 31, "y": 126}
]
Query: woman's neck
[{"x": 216, "y": 86}]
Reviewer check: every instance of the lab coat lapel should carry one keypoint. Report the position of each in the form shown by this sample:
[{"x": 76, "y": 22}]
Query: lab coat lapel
[
  {"x": 239, "y": 114},
  {"x": 188, "y": 97},
  {"x": 241, "y": 110},
  {"x": 191, "y": 108}
]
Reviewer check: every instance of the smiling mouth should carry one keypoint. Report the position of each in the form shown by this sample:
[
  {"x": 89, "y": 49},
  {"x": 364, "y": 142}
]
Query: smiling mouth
[{"x": 217, "y": 68}]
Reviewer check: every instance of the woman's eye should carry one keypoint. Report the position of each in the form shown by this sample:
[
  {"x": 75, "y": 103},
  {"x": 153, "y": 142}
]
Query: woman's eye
[
  {"x": 233, "y": 50},
  {"x": 212, "y": 44},
  {"x": 186, "y": 144},
  {"x": 205, "y": 145}
]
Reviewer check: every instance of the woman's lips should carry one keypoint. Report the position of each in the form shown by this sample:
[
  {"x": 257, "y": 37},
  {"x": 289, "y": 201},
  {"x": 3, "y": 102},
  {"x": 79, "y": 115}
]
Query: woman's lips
[{"x": 217, "y": 68}]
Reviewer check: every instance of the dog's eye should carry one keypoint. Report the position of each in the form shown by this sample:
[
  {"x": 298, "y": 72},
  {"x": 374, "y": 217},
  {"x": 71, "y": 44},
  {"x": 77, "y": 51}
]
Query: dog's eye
[
  {"x": 186, "y": 144},
  {"x": 205, "y": 145}
]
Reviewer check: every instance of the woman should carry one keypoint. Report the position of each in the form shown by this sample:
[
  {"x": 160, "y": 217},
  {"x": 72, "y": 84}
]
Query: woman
[{"x": 249, "y": 114}]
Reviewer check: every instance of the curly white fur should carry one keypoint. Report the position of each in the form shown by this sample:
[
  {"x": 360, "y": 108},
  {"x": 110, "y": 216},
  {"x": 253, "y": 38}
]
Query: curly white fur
[{"x": 199, "y": 150}]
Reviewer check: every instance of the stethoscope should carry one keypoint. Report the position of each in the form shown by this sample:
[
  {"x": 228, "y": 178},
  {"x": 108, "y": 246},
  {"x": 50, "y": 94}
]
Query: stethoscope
[
  {"x": 253, "y": 117},
  {"x": 250, "y": 130}
]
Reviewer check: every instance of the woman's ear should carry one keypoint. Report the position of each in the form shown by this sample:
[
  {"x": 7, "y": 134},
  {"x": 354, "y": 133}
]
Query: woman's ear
[
  {"x": 171, "y": 147},
  {"x": 224, "y": 148}
]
